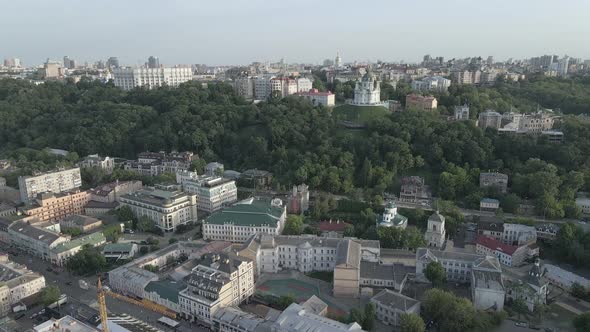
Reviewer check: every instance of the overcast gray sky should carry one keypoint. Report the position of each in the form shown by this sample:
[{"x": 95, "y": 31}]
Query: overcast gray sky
[{"x": 241, "y": 31}]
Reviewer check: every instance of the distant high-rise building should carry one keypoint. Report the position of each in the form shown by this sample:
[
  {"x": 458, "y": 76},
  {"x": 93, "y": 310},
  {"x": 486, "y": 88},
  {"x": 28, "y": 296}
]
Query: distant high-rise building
[
  {"x": 113, "y": 62},
  {"x": 328, "y": 63},
  {"x": 12, "y": 63},
  {"x": 153, "y": 62},
  {"x": 69, "y": 63},
  {"x": 52, "y": 70},
  {"x": 337, "y": 61},
  {"x": 490, "y": 60}
]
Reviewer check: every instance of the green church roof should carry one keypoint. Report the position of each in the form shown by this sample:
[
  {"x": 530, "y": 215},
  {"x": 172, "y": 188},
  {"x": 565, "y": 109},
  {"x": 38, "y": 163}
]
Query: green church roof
[{"x": 257, "y": 213}]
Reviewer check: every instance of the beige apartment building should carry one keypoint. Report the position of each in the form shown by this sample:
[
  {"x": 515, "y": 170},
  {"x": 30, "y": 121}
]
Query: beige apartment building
[
  {"x": 16, "y": 283},
  {"x": 54, "y": 207}
]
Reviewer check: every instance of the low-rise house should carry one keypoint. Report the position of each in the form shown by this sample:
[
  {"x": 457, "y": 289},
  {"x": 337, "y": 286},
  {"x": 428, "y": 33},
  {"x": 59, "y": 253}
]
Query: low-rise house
[
  {"x": 316, "y": 306},
  {"x": 421, "y": 103},
  {"x": 82, "y": 223},
  {"x": 111, "y": 192},
  {"x": 379, "y": 275},
  {"x": 97, "y": 209},
  {"x": 319, "y": 98},
  {"x": 332, "y": 228},
  {"x": 494, "y": 179},
  {"x": 489, "y": 204},
  {"x": 390, "y": 305},
  {"x": 238, "y": 222},
  {"x": 120, "y": 250},
  {"x": 258, "y": 177},
  {"x": 61, "y": 253},
  {"x": 518, "y": 234}
]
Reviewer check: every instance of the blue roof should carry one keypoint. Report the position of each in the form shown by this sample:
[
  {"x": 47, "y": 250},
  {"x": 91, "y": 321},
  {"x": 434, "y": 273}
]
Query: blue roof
[{"x": 489, "y": 200}]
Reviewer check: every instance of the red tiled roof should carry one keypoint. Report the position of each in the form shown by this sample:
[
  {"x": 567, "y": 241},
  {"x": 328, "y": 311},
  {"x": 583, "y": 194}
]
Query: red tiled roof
[
  {"x": 494, "y": 244},
  {"x": 332, "y": 225}
]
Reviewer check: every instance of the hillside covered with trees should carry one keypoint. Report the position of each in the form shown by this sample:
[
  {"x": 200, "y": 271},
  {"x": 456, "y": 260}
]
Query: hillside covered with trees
[{"x": 301, "y": 143}]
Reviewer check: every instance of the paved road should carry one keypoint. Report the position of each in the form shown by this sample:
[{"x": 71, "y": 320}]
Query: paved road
[{"x": 84, "y": 302}]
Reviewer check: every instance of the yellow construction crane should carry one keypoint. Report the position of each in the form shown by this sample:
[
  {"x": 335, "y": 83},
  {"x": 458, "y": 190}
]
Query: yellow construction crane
[{"x": 102, "y": 307}]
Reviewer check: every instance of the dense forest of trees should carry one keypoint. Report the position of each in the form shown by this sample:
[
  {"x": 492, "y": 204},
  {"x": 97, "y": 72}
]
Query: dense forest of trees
[{"x": 302, "y": 143}]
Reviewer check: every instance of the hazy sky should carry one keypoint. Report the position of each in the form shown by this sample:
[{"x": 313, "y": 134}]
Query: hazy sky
[{"x": 241, "y": 31}]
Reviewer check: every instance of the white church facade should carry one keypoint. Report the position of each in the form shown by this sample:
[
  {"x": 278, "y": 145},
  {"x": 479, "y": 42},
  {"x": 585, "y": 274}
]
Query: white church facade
[{"x": 367, "y": 91}]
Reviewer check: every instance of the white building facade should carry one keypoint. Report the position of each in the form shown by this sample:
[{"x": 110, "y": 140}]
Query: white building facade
[
  {"x": 130, "y": 78},
  {"x": 55, "y": 182},
  {"x": 213, "y": 192},
  {"x": 368, "y": 90}
]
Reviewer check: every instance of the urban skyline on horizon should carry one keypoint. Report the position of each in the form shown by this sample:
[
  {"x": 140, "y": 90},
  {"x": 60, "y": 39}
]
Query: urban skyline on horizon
[{"x": 229, "y": 34}]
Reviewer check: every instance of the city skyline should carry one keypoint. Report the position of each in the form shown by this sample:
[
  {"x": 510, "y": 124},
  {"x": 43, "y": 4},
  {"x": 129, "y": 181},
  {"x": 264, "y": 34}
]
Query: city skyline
[{"x": 306, "y": 32}]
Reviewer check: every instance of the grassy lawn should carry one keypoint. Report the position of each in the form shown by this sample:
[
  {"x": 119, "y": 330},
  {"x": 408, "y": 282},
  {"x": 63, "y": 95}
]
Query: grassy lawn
[
  {"x": 360, "y": 114},
  {"x": 327, "y": 276}
]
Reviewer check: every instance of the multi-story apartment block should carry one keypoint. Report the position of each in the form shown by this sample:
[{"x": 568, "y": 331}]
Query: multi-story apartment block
[
  {"x": 414, "y": 190},
  {"x": 156, "y": 163},
  {"x": 54, "y": 207},
  {"x": 508, "y": 255},
  {"x": 466, "y": 77},
  {"x": 489, "y": 119},
  {"x": 494, "y": 179},
  {"x": 244, "y": 86},
  {"x": 238, "y": 222},
  {"x": 262, "y": 87},
  {"x": 283, "y": 86},
  {"x": 55, "y": 182},
  {"x": 220, "y": 280},
  {"x": 421, "y": 103},
  {"x": 130, "y": 78},
  {"x": 432, "y": 83},
  {"x": 106, "y": 164},
  {"x": 213, "y": 192},
  {"x": 167, "y": 209},
  {"x": 316, "y": 97},
  {"x": 298, "y": 201},
  {"x": 390, "y": 305},
  {"x": 17, "y": 283}
]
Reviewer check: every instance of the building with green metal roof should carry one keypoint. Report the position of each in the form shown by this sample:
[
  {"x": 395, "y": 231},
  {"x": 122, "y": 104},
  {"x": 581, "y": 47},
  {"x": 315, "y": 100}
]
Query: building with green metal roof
[
  {"x": 165, "y": 292},
  {"x": 238, "y": 222},
  {"x": 63, "y": 251}
]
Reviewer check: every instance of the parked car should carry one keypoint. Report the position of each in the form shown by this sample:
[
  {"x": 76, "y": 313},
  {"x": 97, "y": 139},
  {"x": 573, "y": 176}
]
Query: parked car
[
  {"x": 19, "y": 316},
  {"x": 521, "y": 324}
]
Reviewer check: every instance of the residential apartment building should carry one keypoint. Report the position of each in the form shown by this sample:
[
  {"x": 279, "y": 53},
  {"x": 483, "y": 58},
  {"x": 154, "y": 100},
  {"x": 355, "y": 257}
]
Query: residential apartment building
[
  {"x": 298, "y": 201},
  {"x": 421, "y": 103},
  {"x": 244, "y": 87},
  {"x": 131, "y": 78},
  {"x": 390, "y": 306},
  {"x": 55, "y": 182},
  {"x": 327, "y": 99},
  {"x": 508, "y": 255},
  {"x": 214, "y": 168},
  {"x": 17, "y": 283},
  {"x": 262, "y": 87},
  {"x": 157, "y": 163},
  {"x": 167, "y": 209},
  {"x": 55, "y": 207},
  {"x": 213, "y": 192},
  {"x": 283, "y": 86},
  {"x": 466, "y": 77},
  {"x": 584, "y": 204},
  {"x": 489, "y": 119},
  {"x": 494, "y": 179},
  {"x": 238, "y": 222},
  {"x": 220, "y": 280},
  {"x": 414, "y": 190},
  {"x": 106, "y": 164},
  {"x": 432, "y": 83}
]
